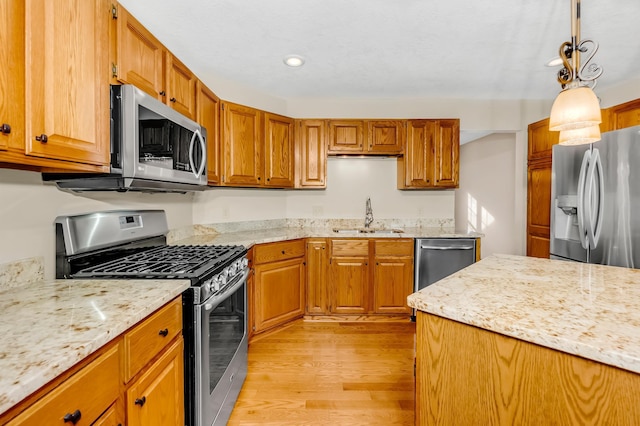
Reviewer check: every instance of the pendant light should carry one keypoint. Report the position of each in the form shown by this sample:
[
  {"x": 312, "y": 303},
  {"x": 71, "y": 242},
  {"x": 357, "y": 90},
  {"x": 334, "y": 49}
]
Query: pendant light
[{"x": 576, "y": 107}]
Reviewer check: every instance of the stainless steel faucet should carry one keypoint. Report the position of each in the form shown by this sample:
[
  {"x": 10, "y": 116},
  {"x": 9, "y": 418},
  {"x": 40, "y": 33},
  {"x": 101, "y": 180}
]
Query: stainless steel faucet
[{"x": 368, "y": 216}]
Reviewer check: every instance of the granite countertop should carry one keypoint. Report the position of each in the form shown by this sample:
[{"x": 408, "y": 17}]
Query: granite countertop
[
  {"x": 250, "y": 237},
  {"x": 592, "y": 311},
  {"x": 48, "y": 327}
]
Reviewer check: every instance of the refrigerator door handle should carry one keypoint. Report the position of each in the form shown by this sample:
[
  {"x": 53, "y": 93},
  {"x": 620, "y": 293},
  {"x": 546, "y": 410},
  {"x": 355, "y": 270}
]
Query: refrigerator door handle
[
  {"x": 595, "y": 194},
  {"x": 583, "y": 214}
]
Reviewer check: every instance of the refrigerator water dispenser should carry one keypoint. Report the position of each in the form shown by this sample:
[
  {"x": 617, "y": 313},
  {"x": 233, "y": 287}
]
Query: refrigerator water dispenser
[{"x": 566, "y": 217}]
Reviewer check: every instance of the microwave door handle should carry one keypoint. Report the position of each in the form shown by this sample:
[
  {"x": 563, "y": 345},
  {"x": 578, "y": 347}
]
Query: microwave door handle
[{"x": 198, "y": 135}]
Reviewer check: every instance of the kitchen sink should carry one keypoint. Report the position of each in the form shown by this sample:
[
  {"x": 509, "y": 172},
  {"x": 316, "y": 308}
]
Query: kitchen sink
[{"x": 367, "y": 231}]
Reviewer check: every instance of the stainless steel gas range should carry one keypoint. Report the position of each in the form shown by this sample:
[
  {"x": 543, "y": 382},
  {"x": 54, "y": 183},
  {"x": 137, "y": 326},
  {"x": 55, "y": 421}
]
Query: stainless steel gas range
[{"x": 132, "y": 244}]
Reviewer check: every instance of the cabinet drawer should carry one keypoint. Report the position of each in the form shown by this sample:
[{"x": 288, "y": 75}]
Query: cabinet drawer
[
  {"x": 90, "y": 392},
  {"x": 393, "y": 247},
  {"x": 271, "y": 252},
  {"x": 358, "y": 247},
  {"x": 148, "y": 338}
]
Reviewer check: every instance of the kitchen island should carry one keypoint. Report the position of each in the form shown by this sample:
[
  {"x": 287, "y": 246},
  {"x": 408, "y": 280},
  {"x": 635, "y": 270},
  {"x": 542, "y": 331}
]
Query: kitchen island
[{"x": 518, "y": 340}]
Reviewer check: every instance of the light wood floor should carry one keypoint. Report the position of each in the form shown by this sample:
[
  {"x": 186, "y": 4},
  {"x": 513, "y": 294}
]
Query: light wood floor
[{"x": 330, "y": 373}]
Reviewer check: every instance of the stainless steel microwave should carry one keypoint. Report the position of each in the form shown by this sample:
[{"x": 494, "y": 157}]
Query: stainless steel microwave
[{"x": 153, "y": 148}]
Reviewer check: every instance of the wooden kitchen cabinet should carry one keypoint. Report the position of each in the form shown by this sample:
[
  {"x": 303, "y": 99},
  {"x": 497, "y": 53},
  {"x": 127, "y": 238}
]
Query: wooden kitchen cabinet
[
  {"x": 349, "y": 287},
  {"x": 156, "y": 397},
  {"x": 316, "y": 278},
  {"x": 66, "y": 91},
  {"x": 143, "y": 61},
  {"x": 431, "y": 155},
  {"x": 242, "y": 144},
  {"x": 111, "y": 417},
  {"x": 208, "y": 107},
  {"x": 12, "y": 125},
  {"x": 385, "y": 136},
  {"x": 311, "y": 154},
  {"x": 541, "y": 140},
  {"x": 346, "y": 136},
  {"x": 278, "y": 151},
  {"x": 624, "y": 115},
  {"x": 392, "y": 276},
  {"x": 539, "y": 209},
  {"x": 366, "y": 137},
  {"x": 278, "y": 287}
]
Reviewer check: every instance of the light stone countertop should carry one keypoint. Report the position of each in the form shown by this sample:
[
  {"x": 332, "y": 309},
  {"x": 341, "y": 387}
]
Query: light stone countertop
[
  {"x": 592, "y": 311},
  {"x": 46, "y": 328}
]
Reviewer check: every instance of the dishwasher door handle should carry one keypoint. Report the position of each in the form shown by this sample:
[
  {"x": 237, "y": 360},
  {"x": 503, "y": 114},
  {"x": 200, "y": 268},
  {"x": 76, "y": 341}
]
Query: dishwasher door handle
[{"x": 447, "y": 247}]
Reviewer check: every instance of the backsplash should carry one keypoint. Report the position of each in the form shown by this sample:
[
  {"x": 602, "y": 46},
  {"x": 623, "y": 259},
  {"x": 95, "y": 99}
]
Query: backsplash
[{"x": 21, "y": 272}]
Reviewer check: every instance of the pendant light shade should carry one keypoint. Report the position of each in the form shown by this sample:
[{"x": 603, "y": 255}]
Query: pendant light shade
[
  {"x": 575, "y": 108},
  {"x": 582, "y": 136}
]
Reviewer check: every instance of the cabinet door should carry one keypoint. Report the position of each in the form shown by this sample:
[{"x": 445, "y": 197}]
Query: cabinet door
[
  {"x": 111, "y": 417},
  {"x": 67, "y": 68},
  {"x": 157, "y": 397},
  {"x": 12, "y": 77},
  {"x": 182, "y": 88},
  {"x": 242, "y": 145},
  {"x": 311, "y": 154},
  {"x": 346, "y": 136},
  {"x": 625, "y": 115},
  {"x": 538, "y": 209},
  {"x": 447, "y": 153},
  {"x": 278, "y": 151},
  {"x": 316, "y": 255},
  {"x": 349, "y": 285},
  {"x": 208, "y": 105},
  {"x": 416, "y": 168},
  {"x": 279, "y": 293},
  {"x": 392, "y": 283},
  {"x": 141, "y": 58},
  {"x": 385, "y": 136},
  {"x": 541, "y": 140}
]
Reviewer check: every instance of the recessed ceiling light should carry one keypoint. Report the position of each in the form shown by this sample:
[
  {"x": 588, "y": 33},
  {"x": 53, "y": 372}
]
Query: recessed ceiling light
[
  {"x": 554, "y": 62},
  {"x": 293, "y": 60}
]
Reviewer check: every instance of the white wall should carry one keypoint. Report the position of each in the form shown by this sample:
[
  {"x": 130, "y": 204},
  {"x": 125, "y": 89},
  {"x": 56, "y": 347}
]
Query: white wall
[
  {"x": 28, "y": 208},
  {"x": 486, "y": 200}
]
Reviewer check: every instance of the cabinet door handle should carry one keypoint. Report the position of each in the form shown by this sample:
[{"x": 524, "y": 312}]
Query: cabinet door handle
[
  {"x": 172, "y": 99},
  {"x": 140, "y": 401},
  {"x": 42, "y": 138},
  {"x": 5, "y": 129},
  {"x": 72, "y": 417},
  {"x": 164, "y": 333},
  {"x": 162, "y": 93}
]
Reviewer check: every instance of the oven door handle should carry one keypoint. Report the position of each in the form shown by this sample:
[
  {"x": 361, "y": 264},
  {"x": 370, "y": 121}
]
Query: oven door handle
[{"x": 210, "y": 304}]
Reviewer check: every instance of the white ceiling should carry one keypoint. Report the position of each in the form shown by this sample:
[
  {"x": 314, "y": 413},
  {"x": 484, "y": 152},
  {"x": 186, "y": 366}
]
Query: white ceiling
[{"x": 458, "y": 49}]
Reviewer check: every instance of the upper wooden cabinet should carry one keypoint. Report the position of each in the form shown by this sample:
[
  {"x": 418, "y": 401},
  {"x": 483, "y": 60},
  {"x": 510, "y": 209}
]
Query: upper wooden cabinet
[
  {"x": 67, "y": 90},
  {"x": 12, "y": 81},
  {"x": 431, "y": 156},
  {"x": 278, "y": 151},
  {"x": 143, "y": 61},
  {"x": 624, "y": 115},
  {"x": 541, "y": 140},
  {"x": 208, "y": 107},
  {"x": 311, "y": 154},
  {"x": 381, "y": 137},
  {"x": 242, "y": 145}
]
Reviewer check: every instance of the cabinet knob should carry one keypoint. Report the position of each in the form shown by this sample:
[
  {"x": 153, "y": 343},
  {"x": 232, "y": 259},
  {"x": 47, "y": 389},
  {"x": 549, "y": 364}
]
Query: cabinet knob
[
  {"x": 140, "y": 401},
  {"x": 42, "y": 138},
  {"x": 282, "y": 251},
  {"x": 72, "y": 417},
  {"x": 172, "y": 99},
  {"x": 164, "y": 333},
  {"x": 5, "y": 129},
  {"x": 258, "y": 177},
  {"x": 162, "y": 93}
]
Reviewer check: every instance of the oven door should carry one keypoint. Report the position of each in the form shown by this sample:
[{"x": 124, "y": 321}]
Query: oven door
[{"x": 221, "y": 353}]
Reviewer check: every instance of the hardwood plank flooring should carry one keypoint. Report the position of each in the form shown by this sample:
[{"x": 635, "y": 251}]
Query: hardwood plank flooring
[{"x": 331, "y": 373}]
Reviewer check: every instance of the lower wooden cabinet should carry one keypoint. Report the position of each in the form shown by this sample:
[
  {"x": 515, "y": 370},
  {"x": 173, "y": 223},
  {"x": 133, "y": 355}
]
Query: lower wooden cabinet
[
  {"x": 392, "y": 276},
  {"x": 137, "y": 379},
  {"x": 278, "y": 284},
  {"x": 349, "y": 287},
  {"x": 316, "y": 276}
]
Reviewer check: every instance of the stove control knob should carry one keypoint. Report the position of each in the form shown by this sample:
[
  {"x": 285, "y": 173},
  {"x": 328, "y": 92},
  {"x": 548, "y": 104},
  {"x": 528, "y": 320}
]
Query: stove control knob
[
  {"x": 208, "y": 285},
  {"x": 245, "y": 262},
  {"x": 223, "y": 277},
  {"x": 216, "y": 283}
]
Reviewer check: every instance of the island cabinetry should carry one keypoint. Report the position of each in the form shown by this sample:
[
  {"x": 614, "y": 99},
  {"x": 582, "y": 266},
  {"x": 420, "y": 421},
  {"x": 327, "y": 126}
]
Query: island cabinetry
[
  {"x": 81, "y": 399},
  {"x": 468, "y": 375},
  {"x": 278, "y": 287},
  {"x": 431, "y": 155},
  {"x": 349, "y": 287},
  {"x": 143, "y": 61},
  {"x": 278, "y": 151},
  {"x": 392, "y": 276},
  {"x": 311, "y": 154},
  {"x": 208, "y": 107},
  {"x": 317, "y": 262}
]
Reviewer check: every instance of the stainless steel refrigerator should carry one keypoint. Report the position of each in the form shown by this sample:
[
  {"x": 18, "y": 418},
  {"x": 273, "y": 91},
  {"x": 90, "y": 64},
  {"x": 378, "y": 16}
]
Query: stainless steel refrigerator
[{"x": 595, "y": 200}]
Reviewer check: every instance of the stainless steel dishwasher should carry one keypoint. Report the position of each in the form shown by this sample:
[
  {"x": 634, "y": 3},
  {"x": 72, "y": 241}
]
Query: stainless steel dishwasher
[{"x": 436, "y": 258}]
